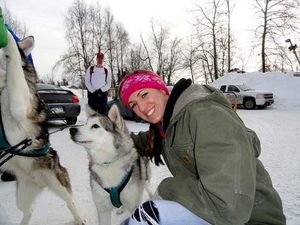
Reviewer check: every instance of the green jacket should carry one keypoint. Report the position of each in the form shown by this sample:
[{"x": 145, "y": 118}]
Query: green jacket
[{"x": 212, "y": 156}]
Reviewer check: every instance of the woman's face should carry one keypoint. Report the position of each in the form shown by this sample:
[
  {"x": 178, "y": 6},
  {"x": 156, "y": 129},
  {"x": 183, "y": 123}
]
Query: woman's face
[{"x": 149, "y": 104}]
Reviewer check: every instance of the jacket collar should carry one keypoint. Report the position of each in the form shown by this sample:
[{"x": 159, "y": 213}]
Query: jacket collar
[{"x": 178, "y": 89}]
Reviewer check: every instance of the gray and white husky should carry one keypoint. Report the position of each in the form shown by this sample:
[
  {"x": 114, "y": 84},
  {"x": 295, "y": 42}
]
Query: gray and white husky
[
  {"x": 118, "y": 175},
  {"x": 22, "y": 118}
]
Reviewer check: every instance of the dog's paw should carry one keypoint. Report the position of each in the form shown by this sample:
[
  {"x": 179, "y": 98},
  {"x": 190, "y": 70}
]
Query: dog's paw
[{"x": 80, "y": 222}]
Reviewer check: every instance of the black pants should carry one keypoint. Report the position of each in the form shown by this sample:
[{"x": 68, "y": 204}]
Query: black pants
[{"x": 98, "y": 101}]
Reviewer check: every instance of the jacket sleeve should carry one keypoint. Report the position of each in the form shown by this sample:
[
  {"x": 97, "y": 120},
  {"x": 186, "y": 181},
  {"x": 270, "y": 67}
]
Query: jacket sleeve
[
  {"x": 140, "y": 141},
  {"x": 87, "y": 81},
  {"x": 225, "y": 163}
]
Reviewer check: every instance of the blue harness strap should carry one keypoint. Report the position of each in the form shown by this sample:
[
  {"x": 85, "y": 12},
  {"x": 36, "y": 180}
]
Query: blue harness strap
[{"x": 114, "y": 192}]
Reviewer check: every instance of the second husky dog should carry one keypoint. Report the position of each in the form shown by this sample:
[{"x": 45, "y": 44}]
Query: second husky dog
[
  {"x": 118, "y": 175},
  {"x": 22, "y": 118}
]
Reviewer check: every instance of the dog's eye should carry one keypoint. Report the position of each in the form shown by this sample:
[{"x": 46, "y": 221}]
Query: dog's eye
[{"x": 95, "y": 126}]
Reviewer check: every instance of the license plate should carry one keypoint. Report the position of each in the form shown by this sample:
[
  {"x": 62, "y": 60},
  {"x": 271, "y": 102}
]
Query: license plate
[{"x": 58, "y": 109}]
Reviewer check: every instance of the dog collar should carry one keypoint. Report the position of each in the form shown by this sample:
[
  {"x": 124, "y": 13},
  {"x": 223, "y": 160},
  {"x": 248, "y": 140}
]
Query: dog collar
[{"x": 92, "y": 162}]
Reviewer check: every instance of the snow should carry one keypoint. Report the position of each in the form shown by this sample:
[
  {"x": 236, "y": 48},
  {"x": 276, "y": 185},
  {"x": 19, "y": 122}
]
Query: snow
[{"x": 277, "y": 126}]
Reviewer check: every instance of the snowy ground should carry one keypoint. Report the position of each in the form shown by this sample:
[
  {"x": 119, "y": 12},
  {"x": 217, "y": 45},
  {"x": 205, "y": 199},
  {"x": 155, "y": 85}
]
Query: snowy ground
[{"x": 278, "y": 128}]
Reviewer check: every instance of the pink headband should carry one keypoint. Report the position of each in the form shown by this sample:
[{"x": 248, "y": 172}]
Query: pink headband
[{"x": 137, "y": 81}]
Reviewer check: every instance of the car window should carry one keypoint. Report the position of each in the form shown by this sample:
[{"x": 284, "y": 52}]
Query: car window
[
  {"x": 233, "y": 88},
  {"x": 223, "y": 88},
  {"x": 47, "y": 87}
]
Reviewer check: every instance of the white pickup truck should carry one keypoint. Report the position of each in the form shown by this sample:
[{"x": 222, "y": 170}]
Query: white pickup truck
[{"x": 247, "y": 97}]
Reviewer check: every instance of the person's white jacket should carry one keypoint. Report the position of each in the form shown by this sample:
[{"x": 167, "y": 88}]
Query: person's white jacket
[{"x": 97, "y": 80}]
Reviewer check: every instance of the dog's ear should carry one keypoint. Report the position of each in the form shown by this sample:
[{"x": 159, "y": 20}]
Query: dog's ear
[
  {"x": 26, "y": 45},
  {"x": 115, "y": 116},
  {"x": 89, "y": 111}
]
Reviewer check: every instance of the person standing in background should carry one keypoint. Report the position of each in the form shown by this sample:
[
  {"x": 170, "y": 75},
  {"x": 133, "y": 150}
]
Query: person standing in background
[{"x": 98, "y": 82}]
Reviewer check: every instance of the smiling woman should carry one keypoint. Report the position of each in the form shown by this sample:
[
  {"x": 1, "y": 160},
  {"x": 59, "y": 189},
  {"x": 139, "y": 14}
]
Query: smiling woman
[
  {"x": 149, "y": 102},
  {"x": 202, "y": 141}
]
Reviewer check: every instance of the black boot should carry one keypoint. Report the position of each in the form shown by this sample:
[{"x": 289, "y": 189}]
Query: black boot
[{"x": 6, "y": 176}]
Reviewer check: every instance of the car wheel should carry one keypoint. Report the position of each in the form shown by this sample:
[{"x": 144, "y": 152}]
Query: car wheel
[
  {"x": 249, "y": 103},
  {"x": 71, "y": 120}
]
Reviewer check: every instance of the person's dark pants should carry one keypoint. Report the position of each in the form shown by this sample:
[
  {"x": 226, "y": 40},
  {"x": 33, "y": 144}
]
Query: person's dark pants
[{"x": 98, "y": 101}]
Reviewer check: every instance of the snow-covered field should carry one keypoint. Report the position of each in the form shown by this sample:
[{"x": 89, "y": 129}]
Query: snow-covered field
[{"x": 277, "y": 126}]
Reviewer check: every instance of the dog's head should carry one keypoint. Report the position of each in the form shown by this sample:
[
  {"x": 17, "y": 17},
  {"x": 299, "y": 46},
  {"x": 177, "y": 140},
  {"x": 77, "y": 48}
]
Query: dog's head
[
  {"x": 101, "y": 133},
  {"x": 23, "y": 48}
]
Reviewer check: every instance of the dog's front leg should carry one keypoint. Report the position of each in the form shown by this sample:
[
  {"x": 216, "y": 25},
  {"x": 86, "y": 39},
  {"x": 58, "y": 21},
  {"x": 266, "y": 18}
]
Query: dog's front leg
[
  {"x": 17, "y": 88},
  {"x": 26, "y": 194}
]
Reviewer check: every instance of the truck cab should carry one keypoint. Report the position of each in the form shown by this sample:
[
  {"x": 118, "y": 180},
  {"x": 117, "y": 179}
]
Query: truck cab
[{"x": 247, "y": 97}]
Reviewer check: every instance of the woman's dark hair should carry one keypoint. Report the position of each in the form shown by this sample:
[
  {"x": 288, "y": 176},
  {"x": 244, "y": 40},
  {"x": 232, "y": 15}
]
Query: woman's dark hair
[
  {"x": 154, "y": 141},
  {"x": 154, "y": 144}
]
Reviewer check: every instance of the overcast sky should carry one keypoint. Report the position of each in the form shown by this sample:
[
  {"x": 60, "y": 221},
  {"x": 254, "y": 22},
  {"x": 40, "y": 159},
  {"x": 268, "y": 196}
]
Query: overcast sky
[{"x": 45, "y": 20}]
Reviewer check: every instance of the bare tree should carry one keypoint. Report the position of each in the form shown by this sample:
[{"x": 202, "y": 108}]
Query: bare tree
[
  {"x": 147, "y": 53},
  {"x": 276, "y": 17},
  {"x": 207, "y": 64},
  {"x": 138, "y": 58},
  {"x": 173, "y": 61},
  {"x": 110, "y": 41},
  {"x": 159, "y": 40},
  {"x": 86, "y": 34},
  {"x": 191, "y": 57},
  {"x": 208, "y": 23},
  {"x": 78, "y": 34},
  {"x": 222, "y": 56},
  {"x": 98, "y": 28},
  {"x": 229, "y": 9},
  {"x": 122, "y": 43}
]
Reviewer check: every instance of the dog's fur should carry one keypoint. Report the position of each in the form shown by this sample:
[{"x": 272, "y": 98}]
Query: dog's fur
[
  {"x": 112, "y": 155},
  {"x": 23, "y": 117}
]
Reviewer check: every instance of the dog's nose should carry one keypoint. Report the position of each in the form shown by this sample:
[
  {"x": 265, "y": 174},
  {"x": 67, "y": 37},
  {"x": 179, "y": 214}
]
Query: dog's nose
[{"x": 73, "y": 130}]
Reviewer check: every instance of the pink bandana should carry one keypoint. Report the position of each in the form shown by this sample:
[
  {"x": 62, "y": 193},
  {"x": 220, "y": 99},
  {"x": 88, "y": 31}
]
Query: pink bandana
[{"x": 137, "y": 81}]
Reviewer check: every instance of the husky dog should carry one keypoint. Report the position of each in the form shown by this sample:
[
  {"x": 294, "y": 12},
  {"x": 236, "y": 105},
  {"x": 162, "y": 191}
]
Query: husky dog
[
  {"x": 22, "y": 117},
  {"x": 118, "y": 175}
]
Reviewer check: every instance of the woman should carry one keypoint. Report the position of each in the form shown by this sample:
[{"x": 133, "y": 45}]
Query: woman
[{"x": 217, "y": 177}]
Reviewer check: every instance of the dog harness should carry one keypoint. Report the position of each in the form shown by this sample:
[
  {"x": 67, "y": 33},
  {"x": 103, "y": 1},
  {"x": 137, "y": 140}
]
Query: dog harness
[
  {"x": 7, "y": 148},
  {"x": 114, "y": 192}
]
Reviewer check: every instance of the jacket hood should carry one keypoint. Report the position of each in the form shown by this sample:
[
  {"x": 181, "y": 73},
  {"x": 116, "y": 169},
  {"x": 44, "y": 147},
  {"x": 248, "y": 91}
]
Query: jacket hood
[{"x": 197, "y": 92}]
